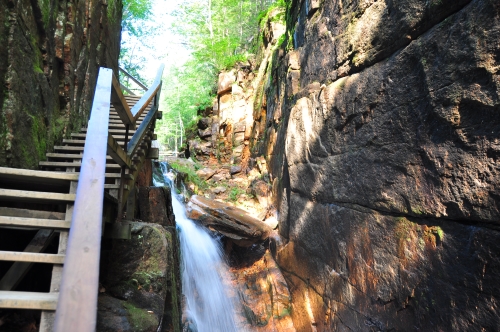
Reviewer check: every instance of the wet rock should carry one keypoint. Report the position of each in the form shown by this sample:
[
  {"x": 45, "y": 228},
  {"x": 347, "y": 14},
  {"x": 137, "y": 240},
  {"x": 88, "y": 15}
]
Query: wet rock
[
  {"x": 205, "y": 173},
  {"x": 235, "y": 223}
]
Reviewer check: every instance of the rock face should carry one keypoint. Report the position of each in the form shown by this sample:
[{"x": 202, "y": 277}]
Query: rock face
[
  {"x": 263, "y": 292},
  {"x": 235, "y": 223},
  {"x": 140, "y": 277},
  {"x": 382, "y": 133},
  {"x": 140, "y": 283},
  {"x": 50, "y": 53}
]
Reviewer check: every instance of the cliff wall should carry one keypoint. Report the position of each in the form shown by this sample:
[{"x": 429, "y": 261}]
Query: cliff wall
[
  {"x": 381, "y": 128},
  {"x": 50, "y": 53}
]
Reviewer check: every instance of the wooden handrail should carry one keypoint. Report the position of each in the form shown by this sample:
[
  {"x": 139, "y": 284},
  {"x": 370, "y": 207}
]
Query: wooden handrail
[
  {"x": 141, "y": 131},
  {"x": 148, "y": 96},
  {"x": 76, "y": 307},
  {"x": 120, "y": 104},
  {"x": 136, "y": 81}
]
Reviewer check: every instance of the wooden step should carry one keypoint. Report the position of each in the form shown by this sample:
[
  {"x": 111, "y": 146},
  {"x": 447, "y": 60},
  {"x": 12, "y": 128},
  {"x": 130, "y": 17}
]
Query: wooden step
[
  {"x": 28, "y": 300},
  {"x": 72, "y": 164},
  {"x": 81, "y": 142},
  {"x": 32, "y": 177},
  {"x": 69, "y": 156},
  {"x": 115, "y": 131},
  {"x": 35, "y": 196},
  {"x": 16, "y": 256},
  {"x": 36, "y": 223},
  {"x": 68, "y": 148},
  {"x": 116, "y": 137}
]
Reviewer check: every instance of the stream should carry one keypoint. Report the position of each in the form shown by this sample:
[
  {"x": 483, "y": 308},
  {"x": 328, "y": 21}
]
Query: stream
[{"x": 208, "y": 308}]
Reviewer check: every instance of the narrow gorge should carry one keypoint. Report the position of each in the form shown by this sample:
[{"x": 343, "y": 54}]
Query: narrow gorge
[{"x": 349, "y": 169}]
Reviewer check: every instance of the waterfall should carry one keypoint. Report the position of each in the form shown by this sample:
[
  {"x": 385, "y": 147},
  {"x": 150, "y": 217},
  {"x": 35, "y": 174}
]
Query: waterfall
[{"x": 208, "y": 307}]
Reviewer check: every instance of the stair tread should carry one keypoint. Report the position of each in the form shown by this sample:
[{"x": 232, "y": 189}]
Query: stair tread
[
  {"x": 18, "y": 174},
  {"x": 68, "y": 156},
  {"x": 71, "y": 164},
  {"x": 35, "y": 196},
  {"x": 23, "y": 222},
  {"x": 31, "y": 257},
  {"x": 28, "y": 300}
]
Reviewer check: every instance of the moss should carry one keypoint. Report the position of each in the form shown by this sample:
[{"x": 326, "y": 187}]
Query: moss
[
  {"x": 140, "y": 319},
  {"x": 340, "y": 83},
  {"x": 45, "y": 8}
]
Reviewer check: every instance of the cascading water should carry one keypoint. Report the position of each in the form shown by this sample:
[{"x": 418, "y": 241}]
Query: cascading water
[{"x": 208, "y": 307}]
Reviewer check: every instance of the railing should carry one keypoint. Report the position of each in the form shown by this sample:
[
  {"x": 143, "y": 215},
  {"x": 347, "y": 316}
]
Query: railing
[
  {"x": 77, "y": 304},
  {"x": 136, "y": 81}
]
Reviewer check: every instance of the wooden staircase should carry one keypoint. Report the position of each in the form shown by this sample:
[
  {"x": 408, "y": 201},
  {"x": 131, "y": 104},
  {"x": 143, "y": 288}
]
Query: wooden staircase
[{"x": 65, "y": 201}]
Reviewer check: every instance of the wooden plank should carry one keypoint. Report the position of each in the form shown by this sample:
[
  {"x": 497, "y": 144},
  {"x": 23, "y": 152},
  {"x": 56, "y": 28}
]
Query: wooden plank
[
  {"x": 29, "y": 300},
  {"x": 68, "y": 148},
  {"x": 120, "y": 103},
  {"x": 34, "y": 196},
  {"x": 117, "y": 153},
  {"x": 72, "y": 164},
  {"x": 67, "y": 156},
  {"x": 30, "y": 175},
  {"x": 148, "y": 96},
  {"x": 19, "y": 269},
  {"x": 34, "y": 214},
  {"x": 76, "y": 308},
  {"x": 141, "y": 132},
  {"x": 8, "y": 221},
  {"x": 64, "y": 155},
  {"x": 127, "y": 90},
  {"x": 30, "y": 257},
  {"x": 133, "y": 79}
]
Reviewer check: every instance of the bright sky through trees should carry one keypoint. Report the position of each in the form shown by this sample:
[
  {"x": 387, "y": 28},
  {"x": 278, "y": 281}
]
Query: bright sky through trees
[{"x": 195, "y": 39}]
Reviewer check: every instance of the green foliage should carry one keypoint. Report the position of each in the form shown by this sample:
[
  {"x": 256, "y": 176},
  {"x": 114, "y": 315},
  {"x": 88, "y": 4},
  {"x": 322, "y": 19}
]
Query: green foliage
[
  {"x": 192, "y": 177},
  {"x": 219, "y": 33},
  {"x": 235, "y": 192}
]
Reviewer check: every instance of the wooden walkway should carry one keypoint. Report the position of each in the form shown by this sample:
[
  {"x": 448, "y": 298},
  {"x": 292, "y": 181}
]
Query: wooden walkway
[{"x": 96, "y": 164}]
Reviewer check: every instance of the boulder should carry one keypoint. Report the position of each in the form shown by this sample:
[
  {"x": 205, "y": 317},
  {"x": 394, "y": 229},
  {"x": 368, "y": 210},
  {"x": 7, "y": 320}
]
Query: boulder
[
  {"x": 243, "y": 229},
  {"x": 235, "y": 169},
  {"x": 205, "y": 173},
  {"x": 226, "y": 79},
  {"x": 261, "y": 191}
]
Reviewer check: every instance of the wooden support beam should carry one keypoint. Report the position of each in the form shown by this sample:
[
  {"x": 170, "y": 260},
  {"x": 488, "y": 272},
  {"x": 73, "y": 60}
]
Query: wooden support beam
[
  {"x": 120, "y": 103},
  {"x": 117, "y": 153}
]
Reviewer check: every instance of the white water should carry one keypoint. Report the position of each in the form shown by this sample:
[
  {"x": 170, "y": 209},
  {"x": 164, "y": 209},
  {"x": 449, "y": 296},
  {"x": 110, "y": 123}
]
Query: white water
[{"x": 208, "y": 307}]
